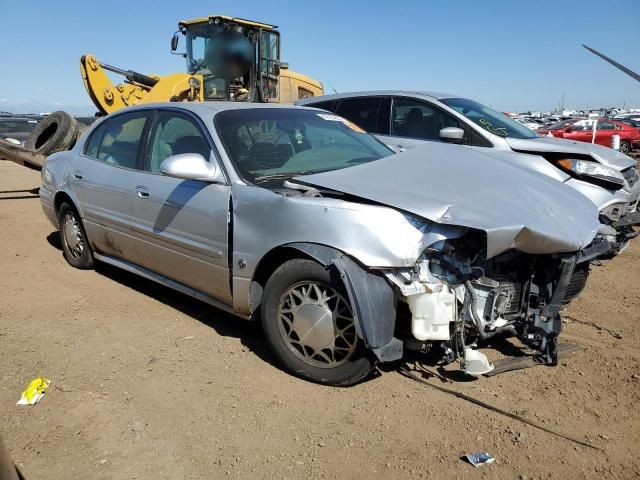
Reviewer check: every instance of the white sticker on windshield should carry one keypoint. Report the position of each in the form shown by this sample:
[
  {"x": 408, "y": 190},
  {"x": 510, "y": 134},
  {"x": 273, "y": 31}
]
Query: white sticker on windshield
[
  {"x": 328, "y": 116},
  {"x": 336, "y": 118}
]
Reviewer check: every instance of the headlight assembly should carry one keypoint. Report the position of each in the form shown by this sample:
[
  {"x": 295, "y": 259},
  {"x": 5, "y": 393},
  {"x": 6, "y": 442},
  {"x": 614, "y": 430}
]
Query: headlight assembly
[{"x": 592, "y": 172}]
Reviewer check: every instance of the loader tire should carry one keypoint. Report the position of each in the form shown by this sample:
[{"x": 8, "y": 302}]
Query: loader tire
[{"x": 54, "y": 133}]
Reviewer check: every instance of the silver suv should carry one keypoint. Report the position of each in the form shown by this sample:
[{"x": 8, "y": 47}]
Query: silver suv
[{"x": 404, "y": 119}]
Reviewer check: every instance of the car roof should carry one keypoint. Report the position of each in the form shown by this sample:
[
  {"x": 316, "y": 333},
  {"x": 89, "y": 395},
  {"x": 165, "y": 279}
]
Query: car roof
[
  {"x": 381, "y": 93},
  {"x": 210, "y": 107}
]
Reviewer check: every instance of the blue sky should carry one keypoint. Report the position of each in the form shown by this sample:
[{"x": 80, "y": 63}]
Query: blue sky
[{"x": 513, "y": 55}]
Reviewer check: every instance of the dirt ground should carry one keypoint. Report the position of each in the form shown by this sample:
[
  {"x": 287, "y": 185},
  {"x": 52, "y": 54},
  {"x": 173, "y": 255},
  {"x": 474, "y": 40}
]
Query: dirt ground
[{"x": 150, "y": 384}]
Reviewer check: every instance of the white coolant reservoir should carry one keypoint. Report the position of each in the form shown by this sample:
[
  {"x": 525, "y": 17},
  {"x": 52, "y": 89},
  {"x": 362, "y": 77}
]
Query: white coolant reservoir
[{"x": 431, "y": 314}]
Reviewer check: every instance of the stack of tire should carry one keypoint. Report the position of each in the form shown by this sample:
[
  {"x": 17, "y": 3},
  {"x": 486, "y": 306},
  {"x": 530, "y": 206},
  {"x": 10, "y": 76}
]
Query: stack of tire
[{"x": 56, "y": 132}]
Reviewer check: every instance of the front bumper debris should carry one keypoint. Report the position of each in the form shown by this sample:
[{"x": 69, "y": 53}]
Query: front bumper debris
[{"x": 629, "y": 220}]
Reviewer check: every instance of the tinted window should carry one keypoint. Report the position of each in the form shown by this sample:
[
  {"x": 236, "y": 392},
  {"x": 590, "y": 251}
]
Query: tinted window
[
  {"x": 363, "y": 111},
  {"x": 174, "y": 134},
  {"x": 605, "y": 126},
  {"x": 272, "y": 145},
  {"x": 415, "y": 119},
  {"x": 328, "y": 106},
  {"x": 492, "y": 121},
  {"x": 121, "y": 139}
]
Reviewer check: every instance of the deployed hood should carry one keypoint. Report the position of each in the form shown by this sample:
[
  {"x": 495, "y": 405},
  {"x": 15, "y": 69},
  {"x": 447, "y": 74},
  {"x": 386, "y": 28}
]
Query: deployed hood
[
  {"x": 604, "y": 155},
  {"x": 456, "y": 185}
]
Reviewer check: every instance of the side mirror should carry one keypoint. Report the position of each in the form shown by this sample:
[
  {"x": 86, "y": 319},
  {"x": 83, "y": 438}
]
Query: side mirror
[
  {"x": 174, "y": 42},
  {"x": 193, "y": 166},
  {"x": 452, "y": 135},
  {"x": 568, "y": 130}
]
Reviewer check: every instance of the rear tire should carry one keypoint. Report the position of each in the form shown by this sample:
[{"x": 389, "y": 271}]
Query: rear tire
[
  {"x": 308, "y": 322},
  {"x": 625, "y": 147},
  {"x": 73, "y": 238},
  {"x": 54, "y": 133}
]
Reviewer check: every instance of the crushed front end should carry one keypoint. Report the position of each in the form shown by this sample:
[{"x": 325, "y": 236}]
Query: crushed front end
[{"x": 456, "y": 297}]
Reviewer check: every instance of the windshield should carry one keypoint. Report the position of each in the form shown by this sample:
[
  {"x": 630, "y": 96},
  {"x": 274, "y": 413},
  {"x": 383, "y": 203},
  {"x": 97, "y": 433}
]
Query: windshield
[
  {"x": 561, "y": 125},
  {"x": 270, "y": 145},
  {"x": 223, "y": 55},
  {"x": 492, "y": 121}
]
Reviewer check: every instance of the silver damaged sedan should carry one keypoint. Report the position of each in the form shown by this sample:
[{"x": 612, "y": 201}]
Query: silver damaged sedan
[{"x": 297, "y": 218}]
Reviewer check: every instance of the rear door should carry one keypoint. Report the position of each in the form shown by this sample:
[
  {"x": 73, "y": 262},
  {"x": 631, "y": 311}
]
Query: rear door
[
  {"x": 604, "y": 131},
  {"x": 102, "y": 182},
  {"x": 181, "y": 226}
]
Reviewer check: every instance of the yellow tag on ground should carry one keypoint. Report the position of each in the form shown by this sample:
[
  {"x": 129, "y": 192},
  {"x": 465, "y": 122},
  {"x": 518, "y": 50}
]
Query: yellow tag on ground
[{"x": 34, "y": 392}]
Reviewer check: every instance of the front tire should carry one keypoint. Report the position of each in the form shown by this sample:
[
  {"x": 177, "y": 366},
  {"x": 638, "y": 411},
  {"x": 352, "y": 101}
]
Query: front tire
[
  {"x": 73, "y": 238},
  {"x": 308, "y": 322}
]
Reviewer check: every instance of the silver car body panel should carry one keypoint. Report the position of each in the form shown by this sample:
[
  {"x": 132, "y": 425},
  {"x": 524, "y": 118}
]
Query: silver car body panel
[{"x": 516, "y": 209}]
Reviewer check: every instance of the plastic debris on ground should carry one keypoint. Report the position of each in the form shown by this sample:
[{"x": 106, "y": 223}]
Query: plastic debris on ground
[
  {"x": 34, "y": 392},
  {"x": 478, "y": 459}
]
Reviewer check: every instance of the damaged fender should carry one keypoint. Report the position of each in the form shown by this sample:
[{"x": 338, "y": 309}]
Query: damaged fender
[{"x": 371, "y": 296}]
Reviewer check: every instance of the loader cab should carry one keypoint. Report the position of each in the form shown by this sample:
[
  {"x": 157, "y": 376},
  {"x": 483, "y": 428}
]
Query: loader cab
[{"x": 239, "y": 60}]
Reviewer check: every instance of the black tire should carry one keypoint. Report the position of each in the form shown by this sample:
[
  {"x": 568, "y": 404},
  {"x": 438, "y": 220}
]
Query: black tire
[
  {"x": 78, "y": 255},
  {"x": 54, "y": 133},
  {"x": 625, "y": 147},
  {"x": 354, "y": 367}
]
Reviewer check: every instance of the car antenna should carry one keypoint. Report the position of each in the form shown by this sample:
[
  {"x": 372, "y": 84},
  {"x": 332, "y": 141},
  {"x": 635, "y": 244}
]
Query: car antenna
[{"x": 332, "y": 87}]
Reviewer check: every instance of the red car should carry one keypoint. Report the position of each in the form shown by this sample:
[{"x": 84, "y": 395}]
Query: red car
[{"x": 582, "y": 131}]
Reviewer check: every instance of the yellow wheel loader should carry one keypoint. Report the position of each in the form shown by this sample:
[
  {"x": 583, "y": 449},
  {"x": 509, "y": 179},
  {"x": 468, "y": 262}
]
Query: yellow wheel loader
[{"x": 227, "y": 59}]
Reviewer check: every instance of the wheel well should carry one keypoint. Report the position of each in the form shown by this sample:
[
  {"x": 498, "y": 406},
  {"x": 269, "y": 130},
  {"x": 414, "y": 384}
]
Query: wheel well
[
  {"x": 272, "y": 260},
  {"x": 59, "y": 199}
]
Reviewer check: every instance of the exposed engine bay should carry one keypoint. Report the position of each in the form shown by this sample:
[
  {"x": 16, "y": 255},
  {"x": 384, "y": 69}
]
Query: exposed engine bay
[{"x": 457, "y": 297}]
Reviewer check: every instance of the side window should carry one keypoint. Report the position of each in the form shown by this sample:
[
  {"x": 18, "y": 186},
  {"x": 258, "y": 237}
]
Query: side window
[
  {"x": 363, "y": 111},
  {"x": 120, "y": 139},
  {"x": 328, "y": 106},
  {"x": 92, "y": 145},
  {"x": 174, "y": 134},
  {"x": 415, "y": 119},
  {"x": 605, "y": 126}
]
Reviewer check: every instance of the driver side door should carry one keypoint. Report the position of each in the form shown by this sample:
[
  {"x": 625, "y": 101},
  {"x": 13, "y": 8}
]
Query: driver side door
[{"x": 181, "y": 226}]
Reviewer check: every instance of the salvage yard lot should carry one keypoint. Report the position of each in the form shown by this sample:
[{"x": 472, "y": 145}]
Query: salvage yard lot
[{"x": 148, "y": 383}]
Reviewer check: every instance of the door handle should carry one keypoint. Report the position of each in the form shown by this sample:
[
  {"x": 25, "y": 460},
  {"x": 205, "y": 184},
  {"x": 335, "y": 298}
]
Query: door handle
[
  {"x": 77, "y": 175},
  {"x": 142, "y": 192}
]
